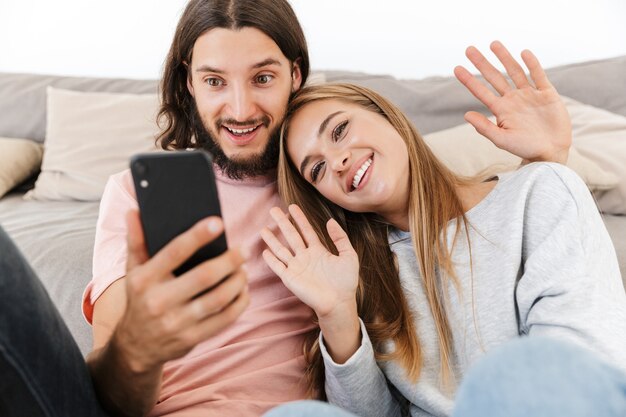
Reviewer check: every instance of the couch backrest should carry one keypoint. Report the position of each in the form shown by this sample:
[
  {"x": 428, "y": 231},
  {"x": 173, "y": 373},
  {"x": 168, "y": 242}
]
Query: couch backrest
[
  {"x": 23, "y": 99},
  {"x": 433, "y": 103}
]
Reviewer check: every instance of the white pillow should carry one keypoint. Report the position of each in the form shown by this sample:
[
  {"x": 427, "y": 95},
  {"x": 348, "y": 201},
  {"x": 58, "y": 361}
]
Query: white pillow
[
  {"x": 90, "y": 136},
  {"x": 467, "y": 152},
  {"x": 19, "y": 159}
]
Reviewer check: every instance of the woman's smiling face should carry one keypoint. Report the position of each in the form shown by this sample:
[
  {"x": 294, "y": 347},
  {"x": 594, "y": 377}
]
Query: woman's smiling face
[{"x": 354, "y": 157}]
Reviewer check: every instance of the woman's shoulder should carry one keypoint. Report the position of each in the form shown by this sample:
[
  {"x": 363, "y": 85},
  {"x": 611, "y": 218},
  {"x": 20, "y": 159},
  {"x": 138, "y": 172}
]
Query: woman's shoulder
[
  {"x": 547, "y": 187},
  {"x": 549, "y": 176}
]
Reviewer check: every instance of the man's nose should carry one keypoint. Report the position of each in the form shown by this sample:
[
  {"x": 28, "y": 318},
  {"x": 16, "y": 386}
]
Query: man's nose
[{"x": 242, "y": 103}]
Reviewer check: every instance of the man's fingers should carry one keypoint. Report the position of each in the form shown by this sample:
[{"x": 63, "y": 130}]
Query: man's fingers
[
  {"x": 176, "y": 252},
  {"x": 513, "y": 68},
  {"x": 218, "y": 298},
  {"x": 213, "y": 324},
  {"x": 480, "y": 91},
  {"x": 204, "y": 276},
  {"x": 536, "y": 70},
  {"x": 491, "y": 73},
  {"x": 137, "y": 252}
]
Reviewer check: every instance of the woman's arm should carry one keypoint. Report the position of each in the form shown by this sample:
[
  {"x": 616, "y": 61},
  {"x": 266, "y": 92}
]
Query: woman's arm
[
  {"x": 327, "y": 283},
  {"x": 571, "y": 286}
]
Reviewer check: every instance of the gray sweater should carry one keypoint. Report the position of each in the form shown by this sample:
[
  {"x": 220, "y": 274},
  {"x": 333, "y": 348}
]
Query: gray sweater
[{"x": 543, "y": 264}]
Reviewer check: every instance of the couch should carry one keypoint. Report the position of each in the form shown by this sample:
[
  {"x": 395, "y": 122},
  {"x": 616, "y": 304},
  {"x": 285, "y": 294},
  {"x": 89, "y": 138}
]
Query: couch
[{"x": 55, "y": 229}]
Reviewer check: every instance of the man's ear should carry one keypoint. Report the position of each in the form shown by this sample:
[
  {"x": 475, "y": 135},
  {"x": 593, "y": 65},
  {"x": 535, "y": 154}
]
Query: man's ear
[
  {"x": 189, "y": 85},
  {"x": 296, "y": 76}
]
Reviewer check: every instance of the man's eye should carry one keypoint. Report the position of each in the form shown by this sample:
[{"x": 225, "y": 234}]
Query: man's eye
[
  {"x": 315, "y": 171},
  {"x": 338, "y": 131},
  {"x": 264, "y": 79},
  {"x": 214, "y": 82}
]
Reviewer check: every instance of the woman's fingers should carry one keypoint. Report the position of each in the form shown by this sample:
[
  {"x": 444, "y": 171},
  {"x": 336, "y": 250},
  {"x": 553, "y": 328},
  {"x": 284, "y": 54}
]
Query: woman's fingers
[
  {"x": 536, "y": 70},
  {"x": 484, "y": 126},
  {"x": 512, "y": 67},
  {"x": 274, "y": 263},
  {"x": 478, "y": 89},
  {"x": 288, "y": 230},
  {"x": 309, "y": 235},
  {"x": 339, "y": 237},
  {"x": 491, "y": 73},
  {"x": 278, "y": 249}
]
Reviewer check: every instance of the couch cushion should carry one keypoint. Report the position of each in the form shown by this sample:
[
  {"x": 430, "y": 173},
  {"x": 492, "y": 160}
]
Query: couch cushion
[
  {"x": 23, "y": 99},
  {"x": 91, "y": 136},
  {"x": 19, "y": 159}
]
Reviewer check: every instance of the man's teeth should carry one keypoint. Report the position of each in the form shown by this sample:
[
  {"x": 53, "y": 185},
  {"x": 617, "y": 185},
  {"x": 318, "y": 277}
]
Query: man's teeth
[
  {"x": 360, "y": 173},
  {"x": 241, "y": 131}
]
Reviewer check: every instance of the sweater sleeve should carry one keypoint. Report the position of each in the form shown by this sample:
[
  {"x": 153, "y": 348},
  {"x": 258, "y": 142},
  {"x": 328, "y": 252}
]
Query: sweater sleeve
[
  {"x": 571, "y": 286},
  {"x": 359, "y": 385}
]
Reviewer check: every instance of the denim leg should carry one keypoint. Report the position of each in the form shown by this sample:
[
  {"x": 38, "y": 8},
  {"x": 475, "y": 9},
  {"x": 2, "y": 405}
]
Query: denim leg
[
  {"x": 541, "y": 377},
  {"x": 42, "y": 370},
  {"x": 307, "y": 409}
]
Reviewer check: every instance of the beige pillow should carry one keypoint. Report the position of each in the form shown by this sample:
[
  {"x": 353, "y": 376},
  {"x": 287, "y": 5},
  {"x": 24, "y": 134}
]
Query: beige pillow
[
  {"x": 467, "y": 152},
  {"x": 90, "y": 136},
  {"x": 600, "y": 136},
  {"x": 19, "y": 159}
]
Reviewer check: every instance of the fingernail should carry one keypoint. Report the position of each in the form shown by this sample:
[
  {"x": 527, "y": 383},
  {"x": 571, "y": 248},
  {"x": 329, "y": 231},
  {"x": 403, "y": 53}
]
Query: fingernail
[{"x": 214, "y": 225}]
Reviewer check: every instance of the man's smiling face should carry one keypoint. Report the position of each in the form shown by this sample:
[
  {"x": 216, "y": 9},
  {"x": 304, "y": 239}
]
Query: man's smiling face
[{"x": 241, "y": 83}]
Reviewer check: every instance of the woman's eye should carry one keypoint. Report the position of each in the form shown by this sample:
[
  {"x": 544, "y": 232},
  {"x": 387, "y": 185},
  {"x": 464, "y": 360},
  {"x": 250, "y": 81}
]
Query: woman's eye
[
  {"x": 315, "y": 171},
  {"x": 214, "y": 82},
  {"x": 264, "y": 79},
  {"x": 338, "y": 131}
]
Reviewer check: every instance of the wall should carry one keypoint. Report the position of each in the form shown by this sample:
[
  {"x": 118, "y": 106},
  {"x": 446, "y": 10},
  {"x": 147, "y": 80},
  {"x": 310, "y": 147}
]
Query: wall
[{"x": 411, "y": 39}]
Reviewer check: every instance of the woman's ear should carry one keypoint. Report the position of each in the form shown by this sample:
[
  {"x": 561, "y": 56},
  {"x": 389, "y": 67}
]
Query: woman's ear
[
  {"x": 189, "y": 85},
  {"x": 296, "y": 76}
]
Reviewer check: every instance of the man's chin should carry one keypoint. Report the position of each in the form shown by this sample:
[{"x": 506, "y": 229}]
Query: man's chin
[{"x": 244, "y": 164}]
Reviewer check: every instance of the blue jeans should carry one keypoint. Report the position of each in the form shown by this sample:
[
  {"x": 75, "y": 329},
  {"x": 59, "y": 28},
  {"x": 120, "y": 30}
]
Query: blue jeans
[
  {"x": 536, "y": 377},
  {"x": 42, "y": 372}
]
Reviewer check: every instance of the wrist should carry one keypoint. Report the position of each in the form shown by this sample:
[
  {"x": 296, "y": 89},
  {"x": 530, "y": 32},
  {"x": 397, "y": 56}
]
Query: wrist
[
  {"x": 341, "y": 330},
  {"x": 136, "y": 361}
]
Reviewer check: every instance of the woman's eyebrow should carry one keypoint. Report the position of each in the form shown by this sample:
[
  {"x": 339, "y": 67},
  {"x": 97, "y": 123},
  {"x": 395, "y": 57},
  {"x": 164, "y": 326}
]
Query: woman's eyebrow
[{"x": 323, "y": 126}]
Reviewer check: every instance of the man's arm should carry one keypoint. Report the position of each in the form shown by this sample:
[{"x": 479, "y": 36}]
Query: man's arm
[
  {"x": 532, "y": 121},
  {"x": 148, "y": 318}
]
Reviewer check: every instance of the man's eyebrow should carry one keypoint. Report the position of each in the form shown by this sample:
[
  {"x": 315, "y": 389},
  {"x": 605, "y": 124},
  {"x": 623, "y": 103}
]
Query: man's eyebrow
[
  {"x": 208, "y": 68},
  {"x": 323, "y": 126},
  {"x": 264, "y": 63}
]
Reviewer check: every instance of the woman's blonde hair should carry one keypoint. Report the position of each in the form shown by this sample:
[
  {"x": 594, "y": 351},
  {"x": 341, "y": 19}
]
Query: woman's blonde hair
[{"x": 433, "y": 202}]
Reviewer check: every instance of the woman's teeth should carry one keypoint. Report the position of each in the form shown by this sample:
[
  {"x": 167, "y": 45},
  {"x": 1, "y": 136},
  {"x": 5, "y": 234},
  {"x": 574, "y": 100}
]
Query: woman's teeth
[{"x": 360, "y": 173}]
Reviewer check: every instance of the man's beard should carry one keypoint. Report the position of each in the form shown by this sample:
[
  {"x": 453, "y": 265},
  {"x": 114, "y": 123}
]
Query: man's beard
[{"x": 238, "y": 169}]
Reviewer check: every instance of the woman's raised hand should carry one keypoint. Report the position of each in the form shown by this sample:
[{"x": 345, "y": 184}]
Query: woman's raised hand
[
  {"x": 532, "y": 121},
  {"x": 325, "y": 282}
]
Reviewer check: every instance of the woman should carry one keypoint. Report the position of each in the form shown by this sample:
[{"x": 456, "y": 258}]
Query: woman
[{"x": 478, "y": 261}]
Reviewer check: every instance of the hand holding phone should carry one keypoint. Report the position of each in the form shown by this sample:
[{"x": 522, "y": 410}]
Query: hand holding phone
[{"x": 176, "y": 189}]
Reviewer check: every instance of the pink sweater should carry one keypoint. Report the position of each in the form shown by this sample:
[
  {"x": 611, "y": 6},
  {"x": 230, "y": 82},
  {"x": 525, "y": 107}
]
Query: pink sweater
[{"x": 251, "y": 366}]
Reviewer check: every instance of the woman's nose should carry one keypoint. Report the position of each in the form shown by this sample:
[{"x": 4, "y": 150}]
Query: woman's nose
[{"x": 339, "y": 161}]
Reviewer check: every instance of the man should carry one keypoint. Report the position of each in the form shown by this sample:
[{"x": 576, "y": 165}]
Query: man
[
  {"x": 228, "y": 77},
  {"x": 236, "y": 350}
]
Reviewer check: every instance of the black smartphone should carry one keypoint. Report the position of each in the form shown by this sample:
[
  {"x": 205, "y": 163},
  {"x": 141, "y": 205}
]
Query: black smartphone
[{"x": 176, "y": 189}]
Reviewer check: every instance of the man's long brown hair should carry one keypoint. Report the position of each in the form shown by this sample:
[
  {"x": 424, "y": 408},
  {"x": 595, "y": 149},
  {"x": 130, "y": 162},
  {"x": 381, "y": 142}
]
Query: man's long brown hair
[
  {"x": 275, "y": 18},
  {"x": 433, "y": 202}
]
